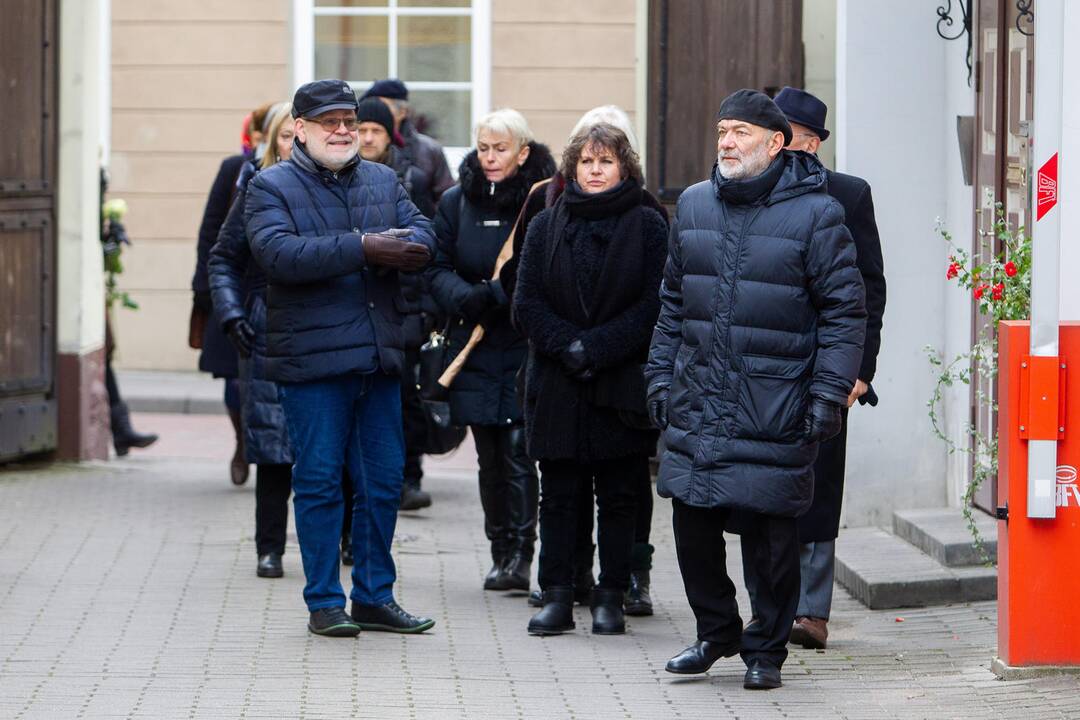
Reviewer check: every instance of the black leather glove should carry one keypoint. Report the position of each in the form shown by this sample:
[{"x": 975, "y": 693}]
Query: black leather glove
[
  {"x": 657, "y": 407},
  {"x": 476, "y": 303},
  {"x": 387, "y": 249},
  {"x": 822, "y": 421},
  {"x": 576, "y": 362},
  {"x": 241, "y": 335}
]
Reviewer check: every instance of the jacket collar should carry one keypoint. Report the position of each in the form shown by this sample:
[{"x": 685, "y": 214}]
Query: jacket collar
[{"x": 307, "y": 164}]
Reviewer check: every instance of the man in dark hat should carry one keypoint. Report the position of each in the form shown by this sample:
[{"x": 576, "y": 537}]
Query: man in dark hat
[
  {"x": 819, "y": 527},
  {"x": 333, "y": 232},
  {"x": 425, "y": 152},
  {"x": 753, "y": 358}
]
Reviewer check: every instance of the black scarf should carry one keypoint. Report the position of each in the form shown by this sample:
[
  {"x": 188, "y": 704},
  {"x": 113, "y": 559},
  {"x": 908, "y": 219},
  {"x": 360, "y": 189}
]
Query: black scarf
[
  {"x": 609, "y": 203},
  {"x": 749, "y": 191}
]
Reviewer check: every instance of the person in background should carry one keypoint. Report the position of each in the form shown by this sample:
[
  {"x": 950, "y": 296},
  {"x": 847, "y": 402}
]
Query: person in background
[
  {"x": 217, "y": 355},
  {"x": 238, "y": 287},
  {"x": 332, "y": 231},
  {"x": 473, "y": 222},
  {"x": 587, "y": 300},
  {"x": 425, "y": 152}
]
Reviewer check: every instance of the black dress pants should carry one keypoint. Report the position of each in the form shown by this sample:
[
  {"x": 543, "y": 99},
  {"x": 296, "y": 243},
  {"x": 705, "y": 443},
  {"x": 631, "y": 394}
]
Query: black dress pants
[
  {"x": 508, "y": 490},
  {"x": 273, "y": 485},
  {"x": 561, "y": 482},
  {"x": 771, "y": 547}
]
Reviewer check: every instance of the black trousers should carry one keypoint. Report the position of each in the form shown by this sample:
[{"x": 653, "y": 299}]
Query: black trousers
[
  {"x": 413, "y": 420},
  {"x": 643, "y": 493},
  {"x": 616, "y": 501},
  {"x": 509, "y": 490},
  {"x": 273, "y": 485},
  {"x": 770, "y": 547}
]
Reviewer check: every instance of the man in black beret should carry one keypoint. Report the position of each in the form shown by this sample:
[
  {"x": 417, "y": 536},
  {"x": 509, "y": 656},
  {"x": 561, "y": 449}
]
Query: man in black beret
[
  {"x": 754, "y": 355},
  {"x": 424, "y": 152},
  {"x": 819, "y": 527}
]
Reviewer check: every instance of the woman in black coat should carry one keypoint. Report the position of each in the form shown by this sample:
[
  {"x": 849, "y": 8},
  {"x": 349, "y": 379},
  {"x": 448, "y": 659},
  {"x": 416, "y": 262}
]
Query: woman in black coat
[
  {"x": 472, "y": 224},
  {"x": 587, "y": 298},
  {"x": 238, "y": 286}
]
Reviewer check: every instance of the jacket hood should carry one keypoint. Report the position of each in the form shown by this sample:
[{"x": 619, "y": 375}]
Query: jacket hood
[
  {"x": 801, "y": 173},
  {"x": 510, "y": 193}
]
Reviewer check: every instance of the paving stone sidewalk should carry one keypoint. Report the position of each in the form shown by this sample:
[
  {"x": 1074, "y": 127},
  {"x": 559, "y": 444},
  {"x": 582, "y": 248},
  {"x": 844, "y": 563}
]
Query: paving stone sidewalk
[{"x": 127, "y": 590}]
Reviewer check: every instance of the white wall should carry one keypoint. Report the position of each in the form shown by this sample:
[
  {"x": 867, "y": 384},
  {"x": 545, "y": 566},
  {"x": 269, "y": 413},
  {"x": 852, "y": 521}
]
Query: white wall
[
  {"x": 819, "y": 47},
  {"x": 80, "y": 283},
  {"x": 1069, "y": 169},
  {"x": 899, "y": 88}
]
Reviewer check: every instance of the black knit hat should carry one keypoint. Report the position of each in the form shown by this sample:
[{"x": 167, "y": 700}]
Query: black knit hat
[
  {"x": 315, "y": 98},
  {"x": 756, "y": 108},
  {"x": 391, "y": 88},
  {"x": 374, "y": 110}
]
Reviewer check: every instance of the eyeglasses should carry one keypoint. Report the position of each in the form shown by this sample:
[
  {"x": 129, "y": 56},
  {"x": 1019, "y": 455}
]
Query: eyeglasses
[{"x": 331, "y": 124}]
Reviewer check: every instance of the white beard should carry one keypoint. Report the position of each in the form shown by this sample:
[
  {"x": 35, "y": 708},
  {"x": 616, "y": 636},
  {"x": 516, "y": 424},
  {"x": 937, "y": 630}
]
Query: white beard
[{"x": 752, "y": 164}]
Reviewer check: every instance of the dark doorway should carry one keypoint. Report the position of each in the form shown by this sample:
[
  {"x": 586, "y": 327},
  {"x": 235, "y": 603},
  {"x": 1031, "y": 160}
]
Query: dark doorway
[
  {"x": 28, "y": 74},
  {"x": 699, "y": 53}
]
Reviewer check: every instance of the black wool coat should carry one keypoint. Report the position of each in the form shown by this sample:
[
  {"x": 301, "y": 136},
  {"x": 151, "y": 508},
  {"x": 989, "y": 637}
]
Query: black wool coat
[
  {"x": 822, "y": 520},
  {"x": 603, "y": 418},
  {"x": 762, "y": 308},
  {"x": 471, "y": 226}
]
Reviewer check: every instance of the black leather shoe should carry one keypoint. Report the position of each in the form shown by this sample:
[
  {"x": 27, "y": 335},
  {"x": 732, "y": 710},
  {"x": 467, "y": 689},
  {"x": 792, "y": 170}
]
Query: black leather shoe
[
  {"x": 332, "y": 622},
  {"x": 607, "y": 612},
  {"x": 700, "y": 656},
  {"x": 515, "y": 574},
  {"x": 346, "y": 551},
  {"x": 389, "y": 618},
  {"x": 269, "y": 566},
  {"x": 761, "y": 675},
  {"x": 413, "y": 498},
  {"x": 557, "y": 616},
  {"x": 638, "y": 601},
  {"x": 536, "y": 599}
]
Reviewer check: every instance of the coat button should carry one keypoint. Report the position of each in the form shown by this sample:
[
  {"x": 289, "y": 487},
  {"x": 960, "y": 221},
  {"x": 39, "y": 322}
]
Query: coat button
[
  {"x": 356, "y": 230},
  {"x": 371, "y": 304}
]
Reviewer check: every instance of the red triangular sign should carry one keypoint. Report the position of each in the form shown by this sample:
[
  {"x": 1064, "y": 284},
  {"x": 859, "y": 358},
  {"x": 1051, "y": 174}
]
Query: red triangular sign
[{"x": 1046, "y": 192}]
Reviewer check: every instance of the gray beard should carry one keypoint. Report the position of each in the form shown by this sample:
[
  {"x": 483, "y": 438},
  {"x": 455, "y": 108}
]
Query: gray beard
[
  {"x": 751, "y": 166},
  {"x": 333, "y": 166}
]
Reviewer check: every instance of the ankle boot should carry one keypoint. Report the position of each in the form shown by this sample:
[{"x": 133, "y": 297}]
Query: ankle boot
[
  {"x": 491, "y": 580},
  {"x": 557, "y": 616},
  {"x": 124, "y": 436},
  {"x": 238, "y": 466},
  {"x": 515, "y": 573},
  {"x": 638, "y": 601},
  {"x": 607, "y": 612}
]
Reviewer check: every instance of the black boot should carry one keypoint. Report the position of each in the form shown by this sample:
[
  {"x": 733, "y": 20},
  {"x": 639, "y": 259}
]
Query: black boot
[
  {"x": 238, "y": 466},
  {"x": 413, "y": 498},
  {"x": 607, "y": 612},
  {"x": 491, "y": 580},
  {"x": 557, "y": 616},
  {"x": 124, "y": 436},
  {"x": 638, "y": 601},
  {"x": 515, "y": 573}
]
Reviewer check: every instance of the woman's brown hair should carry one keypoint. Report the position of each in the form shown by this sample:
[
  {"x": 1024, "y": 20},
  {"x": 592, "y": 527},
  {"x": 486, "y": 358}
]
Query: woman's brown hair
[{"x": 609, "y": 138}]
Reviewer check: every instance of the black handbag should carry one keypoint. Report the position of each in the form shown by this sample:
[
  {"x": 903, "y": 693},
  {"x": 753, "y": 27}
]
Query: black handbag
[
  {"x": 442, "y": 437},
  {"x": 434, "y": 359}
]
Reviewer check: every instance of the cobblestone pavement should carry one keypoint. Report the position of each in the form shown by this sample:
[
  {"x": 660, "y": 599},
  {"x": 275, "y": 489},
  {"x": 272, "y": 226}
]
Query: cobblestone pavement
[{"x": 127, "y": 590}]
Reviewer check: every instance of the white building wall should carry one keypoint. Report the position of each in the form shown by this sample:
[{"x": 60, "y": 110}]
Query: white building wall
[
  {"x": 899, "y": 88},
  {"x": 1069, "y": 168}
]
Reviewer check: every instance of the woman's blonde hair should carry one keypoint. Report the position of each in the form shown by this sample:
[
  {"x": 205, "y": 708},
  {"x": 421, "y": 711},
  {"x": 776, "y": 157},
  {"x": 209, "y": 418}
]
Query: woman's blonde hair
[
  {"x": 608, "y": 115},
  {"x": 282, "y": 114},
  {"x": 505, "y": 121}
]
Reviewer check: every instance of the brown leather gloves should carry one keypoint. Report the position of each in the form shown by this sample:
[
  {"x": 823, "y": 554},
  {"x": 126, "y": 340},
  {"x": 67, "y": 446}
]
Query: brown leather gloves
[{"x": 388, "y": 249}]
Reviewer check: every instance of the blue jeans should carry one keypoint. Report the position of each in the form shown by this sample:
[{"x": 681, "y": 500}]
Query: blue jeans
[{"x": 355, "y": 421}]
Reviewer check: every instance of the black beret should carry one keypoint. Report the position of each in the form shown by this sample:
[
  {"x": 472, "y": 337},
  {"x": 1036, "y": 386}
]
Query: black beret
[
  {"x": 391, "y": 88},
  {"x": 315, "y": 98},
  {"x": 756, "y": 108},
  {"x": 375, "y": 110}
]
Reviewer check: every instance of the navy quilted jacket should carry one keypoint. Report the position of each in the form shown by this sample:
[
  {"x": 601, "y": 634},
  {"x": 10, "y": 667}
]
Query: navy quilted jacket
[
  {"x": 762, "y": 306},
  {"x": 328, "y": 313}
]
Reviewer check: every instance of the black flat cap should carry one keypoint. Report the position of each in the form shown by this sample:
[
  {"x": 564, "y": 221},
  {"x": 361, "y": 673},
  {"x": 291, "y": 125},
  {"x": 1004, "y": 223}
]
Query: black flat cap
[
  {"x": 315, "y": 98},
  {"x": 803, "y": 108},
  {"x": 391, "y": 88},
  {"x": 756, "y": 108}
]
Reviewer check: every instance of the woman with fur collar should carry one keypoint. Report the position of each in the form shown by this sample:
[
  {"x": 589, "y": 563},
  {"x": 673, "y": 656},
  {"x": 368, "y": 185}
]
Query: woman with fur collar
[{"x": 473, "y": 221}]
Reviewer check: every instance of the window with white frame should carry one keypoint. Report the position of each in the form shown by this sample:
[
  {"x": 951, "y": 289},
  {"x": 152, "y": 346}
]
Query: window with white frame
[{"x": 439, "y": 48}]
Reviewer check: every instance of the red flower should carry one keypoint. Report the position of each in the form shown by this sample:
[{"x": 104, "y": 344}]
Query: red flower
[
  {"x": 1010, "y": 269},
  {"x": 952, "y": 272},
  {"x": 998, "y": 292},
  {"x": 978, "y": 292}
]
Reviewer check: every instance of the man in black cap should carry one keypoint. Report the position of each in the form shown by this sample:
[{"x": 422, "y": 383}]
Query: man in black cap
[
  {"x": 819, "y": 527},
  {"x": 754, "y": 355},
  {"x": 332, "y": 232},
  {"x": 425, "y": 152}
]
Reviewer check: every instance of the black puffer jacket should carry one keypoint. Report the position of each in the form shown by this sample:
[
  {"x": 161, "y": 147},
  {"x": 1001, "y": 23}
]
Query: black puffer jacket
[
  {"x": 471, "y": 226},
  {"x": 762, "y": 306}
]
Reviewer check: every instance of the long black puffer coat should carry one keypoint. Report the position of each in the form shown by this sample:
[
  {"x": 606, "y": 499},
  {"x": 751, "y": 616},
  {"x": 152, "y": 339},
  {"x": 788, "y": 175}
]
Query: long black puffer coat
[
  {"x": 762, "y": 307},
  {"x": 471, "y": 226},
  {"x": 238, "y": 285}
]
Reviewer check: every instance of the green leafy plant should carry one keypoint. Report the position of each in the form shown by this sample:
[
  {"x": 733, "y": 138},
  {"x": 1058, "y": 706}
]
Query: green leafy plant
[
  {"x": 1001, "y": 288},
  {"x": 113, "y": 239}
]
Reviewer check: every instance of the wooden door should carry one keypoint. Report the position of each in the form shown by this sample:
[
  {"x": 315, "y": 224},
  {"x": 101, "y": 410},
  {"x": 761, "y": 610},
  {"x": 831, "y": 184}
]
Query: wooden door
[
  {"x": 699, "y": 53},
  {"x": 28, "y": 74}
]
